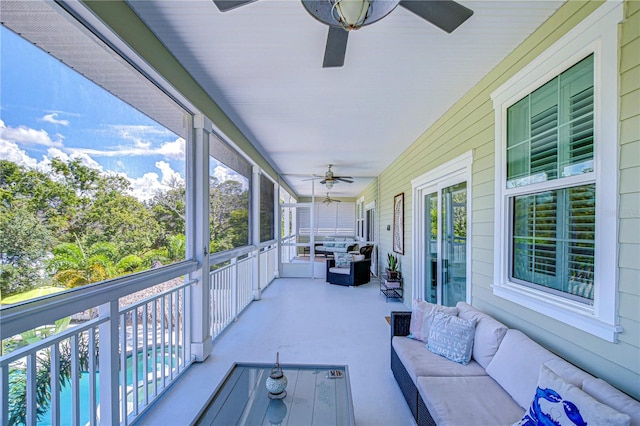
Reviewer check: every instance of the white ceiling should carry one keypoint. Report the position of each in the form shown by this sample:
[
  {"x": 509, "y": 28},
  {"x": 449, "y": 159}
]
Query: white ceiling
[{"x": 262, "y": 64}]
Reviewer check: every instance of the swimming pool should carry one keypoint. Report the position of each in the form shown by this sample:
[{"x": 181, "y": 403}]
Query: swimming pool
[{"x": 84, "y": 388}]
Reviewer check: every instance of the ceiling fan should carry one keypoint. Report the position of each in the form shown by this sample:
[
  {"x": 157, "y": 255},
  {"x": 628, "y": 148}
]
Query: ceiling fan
[
  {"x": 328, "y": 200},
  {"x": 330, "y": 178},
  {"x": 343, "y": 16}
]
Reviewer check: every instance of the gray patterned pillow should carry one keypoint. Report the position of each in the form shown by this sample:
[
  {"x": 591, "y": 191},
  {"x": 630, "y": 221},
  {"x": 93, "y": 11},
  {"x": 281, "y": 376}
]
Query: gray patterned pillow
[
  {"x": 343, "y": 260},
  {"x": 452, "y": 337}
]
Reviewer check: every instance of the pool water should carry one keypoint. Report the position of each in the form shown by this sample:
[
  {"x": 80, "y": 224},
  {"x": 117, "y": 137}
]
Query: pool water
[{"x": 65, "y": 391}]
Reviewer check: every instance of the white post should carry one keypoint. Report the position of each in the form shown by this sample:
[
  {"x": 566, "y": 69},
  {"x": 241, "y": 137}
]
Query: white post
[
  {"x": 108, "y": 356},
  {"x": 198, "y": 227},
  {"x": 255, "y": 227}
]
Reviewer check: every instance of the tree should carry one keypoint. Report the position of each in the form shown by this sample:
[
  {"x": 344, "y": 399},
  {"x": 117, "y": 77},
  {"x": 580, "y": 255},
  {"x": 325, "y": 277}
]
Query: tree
[
  {"x": 73, "y": 266},
  {"x": 23, "y": 244}
]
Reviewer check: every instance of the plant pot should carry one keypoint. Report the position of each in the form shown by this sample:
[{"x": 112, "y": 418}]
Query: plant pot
[{"x": 393, "y": 275}]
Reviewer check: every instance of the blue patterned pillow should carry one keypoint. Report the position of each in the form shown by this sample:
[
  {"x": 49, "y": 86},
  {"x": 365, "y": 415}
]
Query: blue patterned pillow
[
  {"x": 452, "y": 337},
  {"x": 343, "y": 260},
  {"x": 560, "y": 403}
]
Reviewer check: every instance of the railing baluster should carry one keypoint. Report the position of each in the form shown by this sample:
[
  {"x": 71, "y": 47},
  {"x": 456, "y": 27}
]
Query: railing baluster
[
  {"x": 92, "y": 377},
  {"x": 55, "y": 384},
  {"x": 145, "y": 351},
  {"x": 134, "y": 360},
  {"x": 4, "y": 394},
  {"x": 170, "y": 334},
  {"x": 162, "y": 344},
  {"x": 123, "y": 368},
  {"x": 177, "y": 336},
  {"x": 31, "y": 389},
  {"x": 75, "y": 381},
  {"x": 108, "y": 361},
  {"x": 154, "y": 347},
  {"x": 185, "y": 330}
]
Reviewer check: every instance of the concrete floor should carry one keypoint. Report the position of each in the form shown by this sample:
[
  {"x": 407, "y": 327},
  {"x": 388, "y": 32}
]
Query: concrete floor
[{"x": 308, "y": 322}]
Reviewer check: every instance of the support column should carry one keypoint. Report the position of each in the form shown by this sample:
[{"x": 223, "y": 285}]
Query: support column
[
  {"x": 255, "y": 230},
  {"x": 198, "y": 230}
]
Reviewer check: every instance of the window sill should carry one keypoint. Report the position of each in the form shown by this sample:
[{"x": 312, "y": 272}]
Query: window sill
[{"x": 575, "y": 314}]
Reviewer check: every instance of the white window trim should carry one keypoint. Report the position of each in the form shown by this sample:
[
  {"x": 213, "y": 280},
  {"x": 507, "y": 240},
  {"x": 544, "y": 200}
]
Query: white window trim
[
  {"x": 457, "y": 170},
  {"x": 597, "y": 34}
]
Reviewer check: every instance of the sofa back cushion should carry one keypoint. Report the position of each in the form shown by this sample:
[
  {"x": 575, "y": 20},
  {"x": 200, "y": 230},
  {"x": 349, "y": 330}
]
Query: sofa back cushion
[
  {"x": 608, "y": 395},
  {"x": 488, "y": 336},
  {"x": 516, "y": 364}
]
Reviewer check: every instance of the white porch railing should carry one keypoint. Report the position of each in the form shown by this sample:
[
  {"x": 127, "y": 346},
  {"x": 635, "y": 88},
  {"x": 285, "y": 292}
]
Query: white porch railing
[
  {"x": 105, "y": 370},
  {"x": 231, "y": 283}
]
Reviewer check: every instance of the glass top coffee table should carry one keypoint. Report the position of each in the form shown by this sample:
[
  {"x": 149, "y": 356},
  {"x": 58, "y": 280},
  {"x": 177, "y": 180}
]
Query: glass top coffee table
[{"x": 316, "y": 395}]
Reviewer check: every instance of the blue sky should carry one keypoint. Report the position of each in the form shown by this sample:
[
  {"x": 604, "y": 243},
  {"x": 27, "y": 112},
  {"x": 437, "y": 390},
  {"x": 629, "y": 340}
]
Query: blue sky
[{"x": 48, "y": 110}]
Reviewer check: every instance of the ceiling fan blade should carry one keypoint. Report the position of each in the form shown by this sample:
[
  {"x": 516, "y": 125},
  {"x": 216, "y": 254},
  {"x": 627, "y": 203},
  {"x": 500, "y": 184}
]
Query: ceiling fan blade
[
  {"x": 336, "y": 47},
  {"x": 344, "y": 179},
  {"x": 226, "y": 5},
  {"x": 444, "y": 14}
]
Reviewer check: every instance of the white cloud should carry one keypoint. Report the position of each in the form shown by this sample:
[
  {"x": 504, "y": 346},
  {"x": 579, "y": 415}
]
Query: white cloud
[
  {"x": 10, "y": 151},
  {"x": 173, "y": 149},
  {"x": 168, "y": 174},
  {"x": 23, "y": 135},
  {"x": 145, "y": 187},
  {"x": 52, "y": 118}
]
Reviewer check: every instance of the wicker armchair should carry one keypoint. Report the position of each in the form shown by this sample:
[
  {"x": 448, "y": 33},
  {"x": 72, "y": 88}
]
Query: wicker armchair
[{"x": 358, "y": 273}]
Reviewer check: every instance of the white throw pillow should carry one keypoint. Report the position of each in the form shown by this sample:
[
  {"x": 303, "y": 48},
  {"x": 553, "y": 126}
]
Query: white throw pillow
[
  {"x": 560, "y": 403},
  {"x": 422, "y": 316}
]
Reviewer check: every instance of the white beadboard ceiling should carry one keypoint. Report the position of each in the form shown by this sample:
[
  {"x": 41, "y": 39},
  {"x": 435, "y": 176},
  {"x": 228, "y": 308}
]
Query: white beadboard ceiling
[{"x": 262, "y": 64}]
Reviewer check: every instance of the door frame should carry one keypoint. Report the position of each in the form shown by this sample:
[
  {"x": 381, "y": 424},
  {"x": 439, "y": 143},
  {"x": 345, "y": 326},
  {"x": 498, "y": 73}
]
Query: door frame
[
  {"x": 454, "y": 171},
  {"x": 373, "y": 227}
]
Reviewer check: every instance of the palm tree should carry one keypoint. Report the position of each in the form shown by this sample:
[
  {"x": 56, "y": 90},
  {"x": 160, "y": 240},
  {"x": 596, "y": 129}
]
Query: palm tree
[{"x": 73, "y": 266}]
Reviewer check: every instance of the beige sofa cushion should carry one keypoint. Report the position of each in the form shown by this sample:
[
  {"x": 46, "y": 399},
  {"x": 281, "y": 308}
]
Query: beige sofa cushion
[
  {"x": 419, "y": 361},
  {"x": 489, "y": 333},
  {"x": 476, "y": 401},
  {"x": 608, "y": 395},
  {"x": 516, "y": 365}
]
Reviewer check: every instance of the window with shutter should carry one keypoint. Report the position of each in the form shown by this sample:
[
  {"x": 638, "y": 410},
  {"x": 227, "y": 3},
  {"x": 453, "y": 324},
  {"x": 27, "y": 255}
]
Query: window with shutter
[
  {"x": 550, "y": 137},
  {"x": 556, "y": 180}
]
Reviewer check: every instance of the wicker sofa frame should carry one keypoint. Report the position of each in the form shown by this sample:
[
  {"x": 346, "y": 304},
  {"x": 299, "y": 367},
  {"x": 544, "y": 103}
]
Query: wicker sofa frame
[{"x": 400, "y": 322}]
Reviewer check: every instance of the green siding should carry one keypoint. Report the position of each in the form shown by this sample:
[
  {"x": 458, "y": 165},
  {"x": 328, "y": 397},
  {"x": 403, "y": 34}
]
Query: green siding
[{"x": 469, "y": 125}]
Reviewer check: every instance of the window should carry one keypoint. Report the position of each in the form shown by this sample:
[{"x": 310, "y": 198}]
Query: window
[
  {"x": 360, "y": 219},
  {"x": 549, "y": 137},
  {"x": 267, "y": 209},
  {"x": 555, "y": 174},
  {"x": 93, "y": 185},
  {"x": 229, "y": 188}
]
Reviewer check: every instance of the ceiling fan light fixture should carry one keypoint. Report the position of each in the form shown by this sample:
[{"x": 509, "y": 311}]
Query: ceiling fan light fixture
[
  {"x": 351, "y": 14},
  {"x": 329, "y": 184}
]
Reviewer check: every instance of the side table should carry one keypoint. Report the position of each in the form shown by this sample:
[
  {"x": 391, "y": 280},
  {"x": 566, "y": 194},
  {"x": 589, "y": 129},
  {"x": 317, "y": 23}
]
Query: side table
[{"x": 391, "y": 288}]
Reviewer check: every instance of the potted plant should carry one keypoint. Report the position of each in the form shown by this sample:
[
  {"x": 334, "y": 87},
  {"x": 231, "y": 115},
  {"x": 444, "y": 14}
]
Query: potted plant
[{"x": 392, "y": 269}]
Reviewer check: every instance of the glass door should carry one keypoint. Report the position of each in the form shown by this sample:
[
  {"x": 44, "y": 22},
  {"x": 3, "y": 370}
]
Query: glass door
[
  {"x": 445, "y": 244},
  {"x": 454, "y": 244},
  {"x": 431, "y": 248}
]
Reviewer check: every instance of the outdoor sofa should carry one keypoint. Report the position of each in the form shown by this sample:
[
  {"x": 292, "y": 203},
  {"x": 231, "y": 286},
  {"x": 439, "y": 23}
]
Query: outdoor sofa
[
  {"x": 332, "y": 245},
  {"x": 497, "y": 386}
]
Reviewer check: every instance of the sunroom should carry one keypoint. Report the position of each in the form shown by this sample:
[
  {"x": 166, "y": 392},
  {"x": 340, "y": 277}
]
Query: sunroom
[{"x": 165, "y": 164}]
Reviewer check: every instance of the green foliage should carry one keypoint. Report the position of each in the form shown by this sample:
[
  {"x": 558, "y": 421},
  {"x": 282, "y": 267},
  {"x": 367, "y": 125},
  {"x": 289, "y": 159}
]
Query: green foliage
[
  {"x": 23, "y": 244},
  {"x": 392, "y": 260},
  {"x": 129, "y": 264},
  {"x": 75, "y": 225}
]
